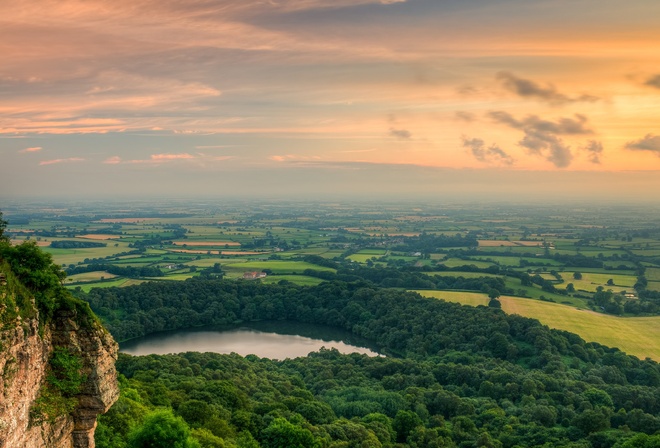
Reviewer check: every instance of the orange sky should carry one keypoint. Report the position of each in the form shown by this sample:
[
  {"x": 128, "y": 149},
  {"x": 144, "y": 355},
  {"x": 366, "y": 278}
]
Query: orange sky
[{"x": 169, "y": 88}]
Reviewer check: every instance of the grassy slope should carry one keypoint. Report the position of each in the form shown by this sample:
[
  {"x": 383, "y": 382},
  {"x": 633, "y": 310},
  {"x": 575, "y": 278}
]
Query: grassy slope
[{"x": 639, "y": 336}]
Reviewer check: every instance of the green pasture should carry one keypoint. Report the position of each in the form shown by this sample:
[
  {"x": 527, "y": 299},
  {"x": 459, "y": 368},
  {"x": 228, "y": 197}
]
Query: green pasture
[
  {"x": 456, "y": 262},
  {"x": 459, "y": 274},
  {"x": 513, "y": 250},
  {"x": 105, "y": 284},
  {"x": 502, "y": 260},
  {"x": 639, "y": 336},
  {"x": 646, "y": 252},
  {"x": 653, "y": 286},
  {"x": 89, "y": 277},
  {"x": 591, "y": 281},
  {"x": 361, "y": 258},
  {"x": 535, "y": 292},
  {"x": 74, "y": 256},
  {"x": 301, "y": 280},
  {"x": 652, "y": 274},
  {"x": 276, "y": 266}
]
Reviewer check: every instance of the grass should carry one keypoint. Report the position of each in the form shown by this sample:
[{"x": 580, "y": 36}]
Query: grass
[
  {"x": 639, "y": 336},
  {"x": 73, "y": 256},
  {"x": 652, "y": 274},
  {"x": 301, "y": 280},
  {"x": 89, "y": 277},
  {"x": 106, "y": 284},
  {"x": 276, "y": 266},
  {"x": 459, "y": 274},
  {"x": 455, "y": 262},
  {"x": 590, "y": 281}
]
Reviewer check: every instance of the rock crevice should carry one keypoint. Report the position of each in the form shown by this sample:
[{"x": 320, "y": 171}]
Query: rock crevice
[{"x": 25, "y": 349}]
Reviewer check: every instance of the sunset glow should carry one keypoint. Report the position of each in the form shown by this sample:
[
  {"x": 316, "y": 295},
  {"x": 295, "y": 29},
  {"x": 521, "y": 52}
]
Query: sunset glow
[{"x": 187, "y": 95}]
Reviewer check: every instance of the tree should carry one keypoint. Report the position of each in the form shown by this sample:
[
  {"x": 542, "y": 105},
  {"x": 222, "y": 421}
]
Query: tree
[
  {"x": 404, "y": 422},
  {"x": 570, "y": 287},
  {"x": 283, "y": 434},
  {"x": 493, "y": 294},
  {"x": 610, "y": 282},
  {"x": 577, "y": 275},
  {"x": 3, "y": 226},
  {"x": 162, "y": 430}
]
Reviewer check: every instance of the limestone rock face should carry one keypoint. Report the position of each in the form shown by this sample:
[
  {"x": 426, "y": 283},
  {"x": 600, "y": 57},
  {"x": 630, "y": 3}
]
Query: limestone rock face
[{"x": 24, "y": 354}]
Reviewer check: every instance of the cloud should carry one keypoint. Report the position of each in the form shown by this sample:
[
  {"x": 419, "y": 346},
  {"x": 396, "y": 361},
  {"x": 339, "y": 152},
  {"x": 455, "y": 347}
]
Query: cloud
[
  {"x": 32, "y": 149},
  {"x": 559, "y": 154},
  {"x": 158, "y": 159},
  {"x": 295, "y": 158},
  {"x": 491, "y": 155},
  {"x": 55, "y": 161},
  {"x": 595, "y": 150},
  {"x": 532, "y": 123},
  {"x": 530, "y": 89},
  {"x": 161, "y": 157},
  {"x": 541, "y": 137},
  {"x": 653, "y": 81},
  {"x": 402, "y": 134},
  {"x": 464, "y": 116},
  {"x": 649, "y": 142}
]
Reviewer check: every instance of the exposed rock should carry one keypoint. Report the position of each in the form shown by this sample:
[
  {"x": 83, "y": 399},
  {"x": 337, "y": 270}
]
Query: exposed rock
[{"x": 24, "y": 355}]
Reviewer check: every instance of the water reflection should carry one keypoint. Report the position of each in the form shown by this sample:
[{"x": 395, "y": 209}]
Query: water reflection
[{"x": 275, "y": 340}]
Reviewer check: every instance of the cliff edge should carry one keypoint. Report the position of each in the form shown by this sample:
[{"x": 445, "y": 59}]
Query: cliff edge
[{"x": 57, "y": 363}]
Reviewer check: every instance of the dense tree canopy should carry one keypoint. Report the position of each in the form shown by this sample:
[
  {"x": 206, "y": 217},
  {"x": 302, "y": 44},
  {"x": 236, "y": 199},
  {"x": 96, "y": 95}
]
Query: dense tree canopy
[{"x": 455, "y": 376}]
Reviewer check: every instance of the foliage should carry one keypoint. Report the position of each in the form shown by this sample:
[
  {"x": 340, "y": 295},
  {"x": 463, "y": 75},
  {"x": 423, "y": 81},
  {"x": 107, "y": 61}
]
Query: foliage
[
  {"x": 3, "y": 227},
  {"x": 283, "y": 434},
  {"x": 461, "y": 376},
  {"x": 35, "y": 271},
  {"x": 57, "y": 397},
  {"x": 66, "y": 371},
  {"x": 162, "y": 429}
]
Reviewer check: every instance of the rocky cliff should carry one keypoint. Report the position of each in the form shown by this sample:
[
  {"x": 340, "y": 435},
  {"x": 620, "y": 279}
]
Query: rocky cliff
[{"x": 39, "y": 405}]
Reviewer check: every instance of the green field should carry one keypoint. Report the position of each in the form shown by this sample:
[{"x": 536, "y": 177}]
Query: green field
[
  {"x": 301, "y": 280},
  {"x": 460, "y": 274},
  {"x": 89, "y": 277},
  {"x": 639, "y": 336},
  {"x": 276, "y": 266},
  {"x": 590, "y": 281},
  {"x": 455, "y": 262}
]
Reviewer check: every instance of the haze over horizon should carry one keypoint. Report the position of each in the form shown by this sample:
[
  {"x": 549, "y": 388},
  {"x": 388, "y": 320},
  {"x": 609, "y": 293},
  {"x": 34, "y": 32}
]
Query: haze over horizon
[{"x": 352, "y": 98}]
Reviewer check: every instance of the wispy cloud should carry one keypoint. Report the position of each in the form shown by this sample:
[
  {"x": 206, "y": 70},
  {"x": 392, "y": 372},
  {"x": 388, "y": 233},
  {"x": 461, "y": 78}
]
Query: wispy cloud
[
  {"x": 294, "y": 158},
  {"x": 32, "y": 149},
  {"x": 530, "y": 89},
  {"x": 401, "y": 134},
  {"x": 56, "y": 161},
  {"x": 182, "y": 156},
  {"x": 649, "y": 143},
  {"x": 164, "y": 158},
  {"x": 493, "y": 154},
  {"x": 594, "y": 150},
  {"x": 653, "y": 81},
  {"x": 541, "y": 137},
  {"x": 465, "y": 116}
]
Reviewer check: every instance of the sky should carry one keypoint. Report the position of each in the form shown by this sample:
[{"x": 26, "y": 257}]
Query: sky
[{"x": 398, "y": 98}]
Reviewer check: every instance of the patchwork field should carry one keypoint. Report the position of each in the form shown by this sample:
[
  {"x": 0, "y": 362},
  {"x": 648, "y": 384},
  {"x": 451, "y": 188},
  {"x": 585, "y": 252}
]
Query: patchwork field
[{"x": 639, "y": 336}]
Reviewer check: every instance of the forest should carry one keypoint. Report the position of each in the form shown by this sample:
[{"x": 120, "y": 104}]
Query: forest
[{"x": 453, "y": 375}]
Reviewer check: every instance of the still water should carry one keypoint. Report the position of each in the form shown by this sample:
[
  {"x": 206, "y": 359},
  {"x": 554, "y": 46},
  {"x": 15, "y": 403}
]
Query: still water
[{"x": 275, "y": 340}]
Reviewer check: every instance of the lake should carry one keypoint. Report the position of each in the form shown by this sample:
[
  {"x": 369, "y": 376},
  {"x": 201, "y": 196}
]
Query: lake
[{"x": 274, "y": 340}]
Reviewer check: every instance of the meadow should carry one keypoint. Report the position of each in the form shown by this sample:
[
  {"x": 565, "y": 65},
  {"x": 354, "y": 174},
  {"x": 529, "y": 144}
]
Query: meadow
[{"x": 639, "y": 336}]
